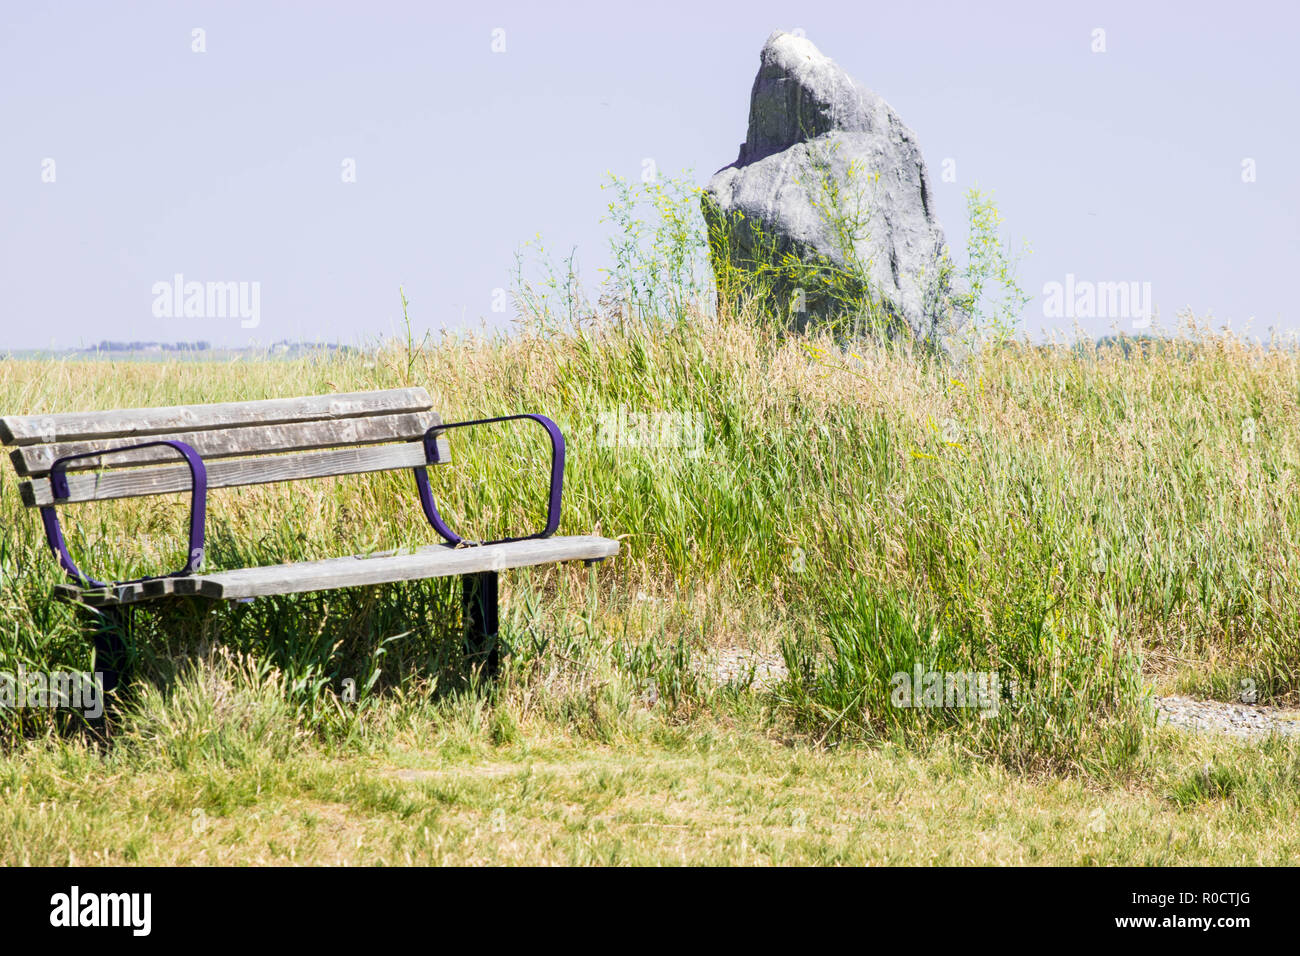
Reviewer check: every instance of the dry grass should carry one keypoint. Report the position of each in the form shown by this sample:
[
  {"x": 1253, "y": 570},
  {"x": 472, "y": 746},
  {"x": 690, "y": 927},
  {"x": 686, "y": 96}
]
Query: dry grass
[
  {"x": 1072, "y": 519},
  {"x": 713, "y": 793}
]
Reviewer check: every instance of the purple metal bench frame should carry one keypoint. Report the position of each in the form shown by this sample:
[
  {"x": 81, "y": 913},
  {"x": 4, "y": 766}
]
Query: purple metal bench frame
[
  {"x": 479, "y": 601},
  {"x": 199, "y": 492},
  {"x": 198, "y": 512},
  {"x": 553, "y": 497},
  {"x": 479, "y": 594}
]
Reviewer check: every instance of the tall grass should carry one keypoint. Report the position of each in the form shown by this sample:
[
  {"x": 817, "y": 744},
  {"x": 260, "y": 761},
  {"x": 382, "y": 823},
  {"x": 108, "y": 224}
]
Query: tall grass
[{"x": 1068, "y": 518}]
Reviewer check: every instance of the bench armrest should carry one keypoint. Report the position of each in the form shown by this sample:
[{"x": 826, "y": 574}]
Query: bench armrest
[
  {"x": 198, "y": 511},
  {"x": 553, "y": 497}
]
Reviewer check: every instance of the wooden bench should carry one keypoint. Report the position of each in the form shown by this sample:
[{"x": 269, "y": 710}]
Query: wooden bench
[{"x": 95, "y": 456}]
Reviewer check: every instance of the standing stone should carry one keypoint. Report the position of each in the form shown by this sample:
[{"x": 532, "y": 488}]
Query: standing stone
[{"x": 829, "y": 205}]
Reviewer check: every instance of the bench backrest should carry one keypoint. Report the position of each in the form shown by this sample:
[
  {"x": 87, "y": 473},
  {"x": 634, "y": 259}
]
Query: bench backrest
[{"x": 241, "y": 443}]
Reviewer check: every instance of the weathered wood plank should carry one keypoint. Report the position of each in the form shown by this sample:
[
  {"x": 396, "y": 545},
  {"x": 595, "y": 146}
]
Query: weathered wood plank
[
  {"x": 232, "y": 442},
  {"x": 357, "y": 570},
  {"x": 136, "y": 422},
  {"x": 136, "y": 593},
  {"x": 231, "y": 473}
]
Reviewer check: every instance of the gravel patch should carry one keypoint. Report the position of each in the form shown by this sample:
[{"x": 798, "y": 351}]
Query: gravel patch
[
  {"x": 728, "y": 665},
  {"x": 1237, "y": 720}
]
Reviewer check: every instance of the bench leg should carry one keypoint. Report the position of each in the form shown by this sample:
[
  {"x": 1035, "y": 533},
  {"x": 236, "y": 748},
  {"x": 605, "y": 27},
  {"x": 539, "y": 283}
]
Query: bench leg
[
  {"x": 112, "y": 633},
  {"x": 479, "y": 603},
  {"x": 111, "y": 639}
]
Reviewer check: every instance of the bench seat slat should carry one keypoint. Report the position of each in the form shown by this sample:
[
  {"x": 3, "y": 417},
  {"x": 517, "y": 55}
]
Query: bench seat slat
[
  {"x": 138, "y": 422},
  {"x": 231, "y": 473},
  {"x": 32, "y": 460},
  {"x": 355, "y": 571}
]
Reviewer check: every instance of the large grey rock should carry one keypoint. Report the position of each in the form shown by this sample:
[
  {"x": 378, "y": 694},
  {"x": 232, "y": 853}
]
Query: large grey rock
[{"x": 815, "y": 134}]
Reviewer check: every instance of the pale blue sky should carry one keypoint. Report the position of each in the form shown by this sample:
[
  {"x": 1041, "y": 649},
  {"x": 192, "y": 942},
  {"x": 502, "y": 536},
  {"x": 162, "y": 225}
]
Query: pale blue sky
[{"x": 226, "y": 165}]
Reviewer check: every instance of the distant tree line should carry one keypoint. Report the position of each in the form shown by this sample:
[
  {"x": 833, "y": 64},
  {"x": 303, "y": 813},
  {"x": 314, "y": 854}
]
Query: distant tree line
[
  {"x": 107, "y": 346},
  {"x": 284, "y": 345}
]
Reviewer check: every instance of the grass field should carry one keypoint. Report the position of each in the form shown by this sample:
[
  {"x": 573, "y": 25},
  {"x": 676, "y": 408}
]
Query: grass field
[
  {"x": 440, "y": 785},
  {"x": 1088, "y": 525}
]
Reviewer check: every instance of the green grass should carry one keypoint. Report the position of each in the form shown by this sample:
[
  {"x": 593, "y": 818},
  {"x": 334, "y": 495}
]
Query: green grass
[
  {"x": 1089, "y": 525},
  {"x": 1066, "y": 520},
  {"x": 444, "y": 783}
]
